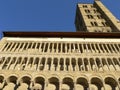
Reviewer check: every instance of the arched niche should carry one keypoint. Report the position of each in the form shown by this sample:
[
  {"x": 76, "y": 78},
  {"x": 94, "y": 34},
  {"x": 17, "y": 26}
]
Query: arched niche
[
  {"x": 49, "y": 63},
  {"x": 73, "y": 62},
  {"x": 54, "y": 83},
  {"x": 111, "y": 83},
  {"x": 1, "y": 78},
  {"x": 80, "y": 64},
  {"x": 25, "y": 79},
  {"x": 39, "y": 83},
  {"x": 81, "y": 84},
  {"x": 87, "y": 68},
  {"x": 12, "y": 79},
  {"x": 1, "y": 81},
  {"x": 61, "y": 64},
  {"x": 117, "y": 64},
  {"x": 96, "y": 84},
  {"x": 67, "y": 84},
  {"x": 67, "y": 63},
  {"x": 55, "y": 62},
  {"x": 24, "y": 83}
]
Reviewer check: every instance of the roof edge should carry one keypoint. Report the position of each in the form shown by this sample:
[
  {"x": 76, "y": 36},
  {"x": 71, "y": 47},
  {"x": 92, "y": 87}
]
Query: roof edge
[{"x": 63, "y": 34}]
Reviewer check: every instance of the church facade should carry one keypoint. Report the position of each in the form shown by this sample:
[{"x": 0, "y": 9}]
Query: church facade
[{"x": 83, "y": 60}]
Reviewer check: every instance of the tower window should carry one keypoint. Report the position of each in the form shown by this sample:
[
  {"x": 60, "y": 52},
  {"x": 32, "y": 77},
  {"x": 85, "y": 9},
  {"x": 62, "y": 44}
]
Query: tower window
[
  {"x": 104, "y": 24},
  {"x": 95, "y": 11},
  {"x": 84, "y": 6},
  {"x": 99, "y": 16},
  {"x": 90, "y": 16},
  {"x": 94, "y": 23},
  {"x": 87, "y": 11}
]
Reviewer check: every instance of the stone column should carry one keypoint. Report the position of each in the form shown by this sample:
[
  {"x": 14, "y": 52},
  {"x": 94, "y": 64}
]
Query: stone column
[
  {"x": 43, "y": 49},
  {"x": 70, "y": 66},
  {"x": 118, "y": 47},
  {"x": 113, "y": 64},
  {"x": 107, "y": 48},
  {"x": 103, "y": 48},
  {"x": 45, "y": 85},
  {"x": 107, "y": 63},
  {"x": 73, "y": 47},
  {"x": 95, "y": 48},
  {"x": 74, "y": 86},
  {"x": 91, "y": 49},
  {"x": 60, "y": 85},
  {"x": 38, "y": 68},
  {"x": 3, "y": 63},
  {"x": 12, "y": 44},
  {"x": 40, "y": 47},
  {"x": 69, "y": 48},
  {"x": 96, "y": 65},
  {"x": 3, "y": 41},
  {"x": 52, "y": 65},
  {"x": 9, "y": 63},
  {"x": 64, "y": 65},
  {"x": 18, "y": 48},
  {"x": 16, "y": 44},
  {"x": 82, "y": 48},
  {"x": 101, "y": 64},
  {"x": 78, "y": 48},
  {"x": 56, "y": 47},
  {"x": 53, "y": 48},
  {"x": 58, "y": 66},
  {"x": 6, "y": 48},
  {"x": 48, "y": 49},
  {"x": 15, "y": 62},
  {"x": 77, "y": 67},
  {"x": 36, "y": 44},
  {"x": 87, "y": 50},
  {"x": 89, "y": 64},
  {"x": 65, "y": 47},
  {"x": 27, "y": 45},
  {"x": 83, "y": 64},
  {"x": 114, "y": 48},
  {"x": 101, "y": 51},
  {"x": 22, "y": 48},
  {"x": 61, "y": 47},
  {"x": 32, "y": 44},
  {"x": 111, "y": 48},
  {"x": 26, "y": 64},
  {"x": 45, "y": 65}
]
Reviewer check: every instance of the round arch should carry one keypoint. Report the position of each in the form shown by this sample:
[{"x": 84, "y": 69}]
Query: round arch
[
  {"x": 12, "y": 78},
  {"x": 82, "y": 83},
  {"x": 25, "y": 79},
  {"x": 67, "y": 83},
  {"x": 111, "y": 83},
  {"x": 1, "y": 78},
  {"x": 53, "y": 81},
  {"x": 96, "y": 83}
]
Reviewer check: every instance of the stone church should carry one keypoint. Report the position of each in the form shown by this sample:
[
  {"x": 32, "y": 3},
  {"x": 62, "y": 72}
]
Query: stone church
[{"x": 88, "y": 59}]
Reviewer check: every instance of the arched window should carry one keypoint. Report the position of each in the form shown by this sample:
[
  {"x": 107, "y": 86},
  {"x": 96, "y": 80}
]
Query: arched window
[
  {"x": 82, "y": 84},
  {"x": 24, "y": 83},
  {"x": 67, "y": 84},
  {"x": 53, "y": 83},
  {"x": 110, "y": 84},
  {"x": 96, "y": 84},
  {"x": 39, "y": 83}
]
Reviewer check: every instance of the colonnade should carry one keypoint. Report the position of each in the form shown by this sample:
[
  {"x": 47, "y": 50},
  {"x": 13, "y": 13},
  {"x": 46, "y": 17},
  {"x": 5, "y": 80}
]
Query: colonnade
[
  {"x": 60, "y": 64},
  {"x": 55, "y": 83},
  {"x": 62, "y": 47}
]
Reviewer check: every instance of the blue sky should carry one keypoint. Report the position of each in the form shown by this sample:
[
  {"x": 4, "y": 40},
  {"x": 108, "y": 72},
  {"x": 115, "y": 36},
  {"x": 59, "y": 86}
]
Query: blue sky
[{"x": 44, "y": 15}]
